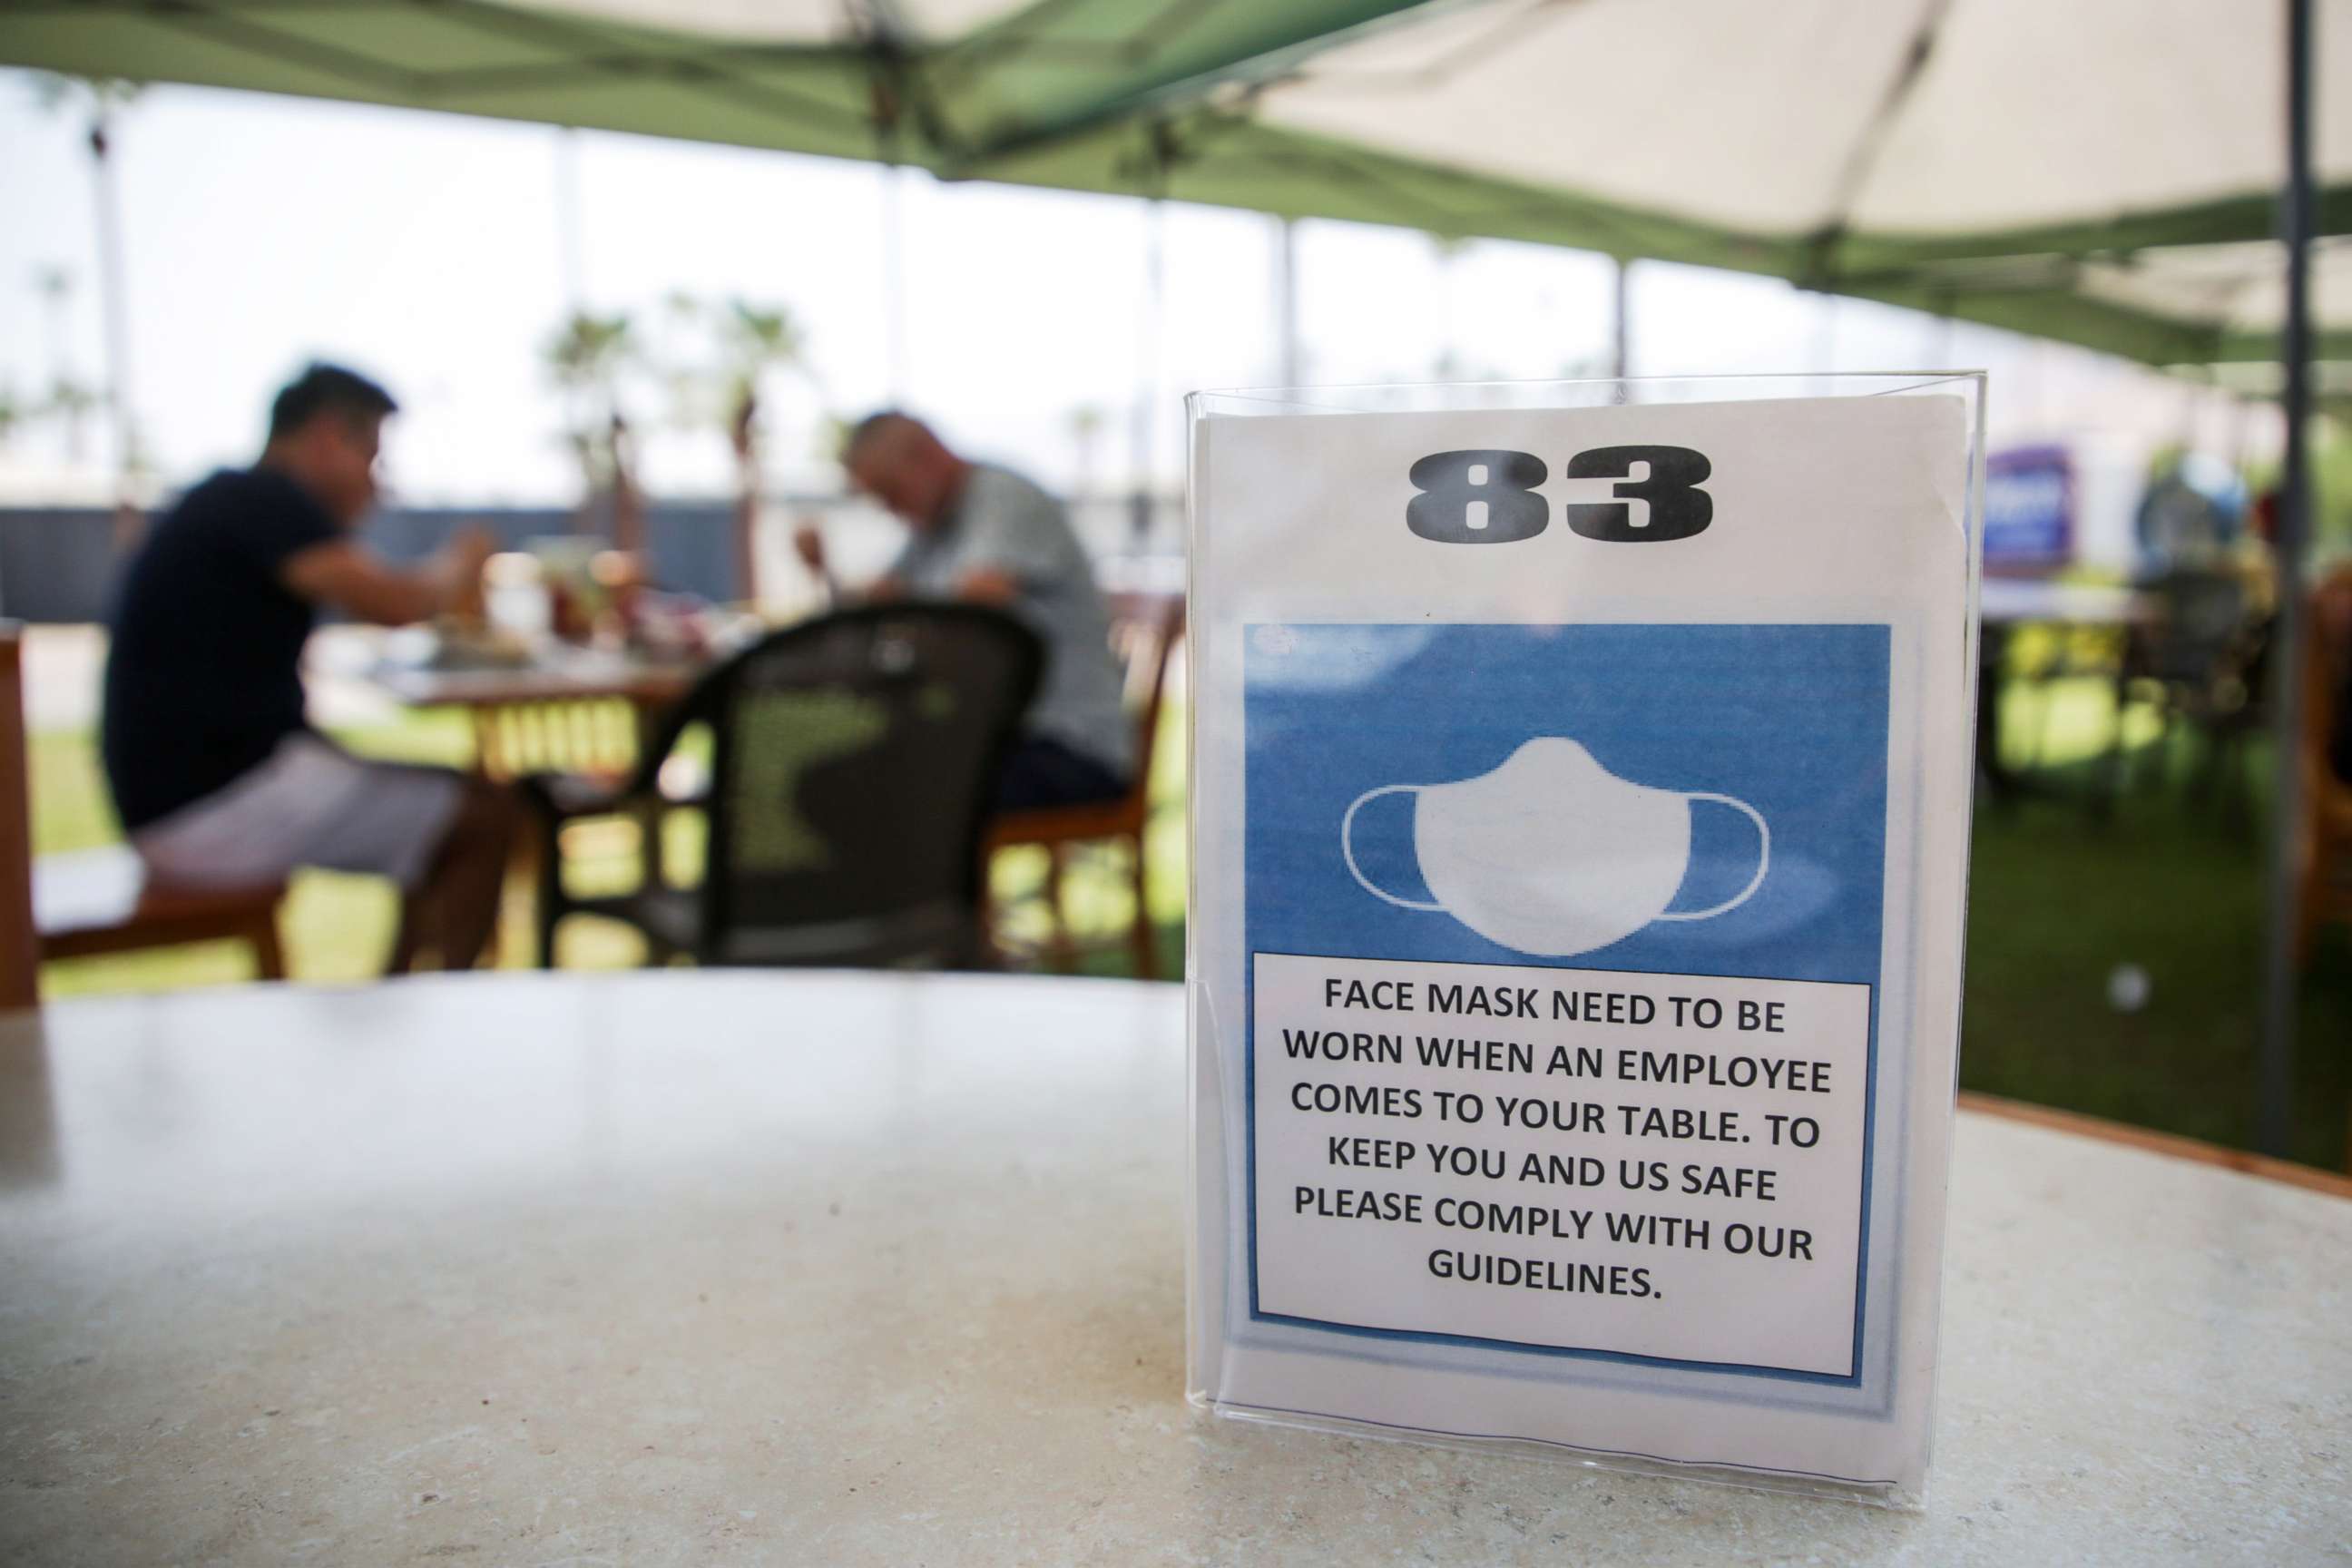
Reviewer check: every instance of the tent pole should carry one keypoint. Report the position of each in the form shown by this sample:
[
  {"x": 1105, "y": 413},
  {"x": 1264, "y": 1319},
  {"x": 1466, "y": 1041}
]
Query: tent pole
[
  {"x": 111, "y": 297},
  {"x": 567, "y": 219},
  {"x": 2276, "y": 1085},
  {"x": 1149, "y": 346},
  {"x": 1620, "y": 357},
  {"x": 1285, "y": 298},
  {"x": 894, "y": 278}
]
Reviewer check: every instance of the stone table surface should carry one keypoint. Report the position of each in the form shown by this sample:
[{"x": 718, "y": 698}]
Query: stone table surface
[{"x": 677, "y": 1268}]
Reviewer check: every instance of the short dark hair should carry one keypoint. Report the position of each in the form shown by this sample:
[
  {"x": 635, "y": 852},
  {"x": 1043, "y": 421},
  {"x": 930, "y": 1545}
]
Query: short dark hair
[{"x": 327, "y": 389}]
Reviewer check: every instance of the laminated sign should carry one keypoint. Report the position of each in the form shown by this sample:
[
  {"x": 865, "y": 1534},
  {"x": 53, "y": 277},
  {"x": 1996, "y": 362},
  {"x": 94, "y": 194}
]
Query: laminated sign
[{"x": 1581, "y": 792}]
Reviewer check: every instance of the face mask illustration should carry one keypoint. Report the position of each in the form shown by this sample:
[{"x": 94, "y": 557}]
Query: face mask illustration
[{"x": 1552, "y": 853}]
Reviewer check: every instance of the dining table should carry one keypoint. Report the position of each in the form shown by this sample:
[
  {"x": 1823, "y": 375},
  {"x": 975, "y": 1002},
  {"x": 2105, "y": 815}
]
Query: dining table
[
  {"x": 555, "y": 705},
  {"x": 2003, "y": 603},
  {"x": 2006, "y": 603},
  {"x": 568, "y": 676},
  {"x": 730, "y": 1266}
]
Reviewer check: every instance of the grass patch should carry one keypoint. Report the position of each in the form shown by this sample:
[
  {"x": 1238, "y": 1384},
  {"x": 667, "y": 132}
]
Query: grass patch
[{"x": 2169, "y": 882}]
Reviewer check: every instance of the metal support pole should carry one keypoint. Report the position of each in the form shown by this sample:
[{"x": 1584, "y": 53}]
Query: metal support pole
[
  {"x": 2275, "y": 1089},
  {"x": 1144, "y": 451},
  {"x": 114, "y": 298},
  {"x": 1286, "y": 299},
  {"x": 894, "y": 281},
  {"x": 1621, "y": 342},
  {"x": 567, "y": 220}
]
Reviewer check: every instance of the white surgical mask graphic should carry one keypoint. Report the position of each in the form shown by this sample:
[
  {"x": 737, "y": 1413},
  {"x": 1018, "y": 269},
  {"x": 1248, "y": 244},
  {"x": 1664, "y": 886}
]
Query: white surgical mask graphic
[{"x": 1552, "y": 853}]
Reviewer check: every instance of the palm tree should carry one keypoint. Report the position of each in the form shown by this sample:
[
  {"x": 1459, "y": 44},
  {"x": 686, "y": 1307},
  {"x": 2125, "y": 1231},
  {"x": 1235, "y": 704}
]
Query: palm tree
[
  {"x": 753, "y": 340},
  {"x": 73, "y": 402},
  {"x": 587, "y": 358},
  {"x": 714, "y": 357},
  {"x": 104, "y": 98}
]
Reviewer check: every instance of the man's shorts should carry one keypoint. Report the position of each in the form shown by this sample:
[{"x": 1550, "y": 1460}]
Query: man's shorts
[
  {"x": 309, "y": 803},
  {"x": 1041, "y": 773}
]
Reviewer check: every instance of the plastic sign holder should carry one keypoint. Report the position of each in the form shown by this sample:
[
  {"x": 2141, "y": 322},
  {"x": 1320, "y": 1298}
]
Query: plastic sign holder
[{"x": 1581, "y": 788}]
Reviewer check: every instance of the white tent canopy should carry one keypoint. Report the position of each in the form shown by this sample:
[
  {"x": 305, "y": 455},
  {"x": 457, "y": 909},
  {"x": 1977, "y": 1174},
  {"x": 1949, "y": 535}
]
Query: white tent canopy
[
  {"x": 1935, "y": 120},
  {"x": 2024, "y": 162},
  {"x": 1894, "y": 146},
  {"x": 798, "y": 21}
]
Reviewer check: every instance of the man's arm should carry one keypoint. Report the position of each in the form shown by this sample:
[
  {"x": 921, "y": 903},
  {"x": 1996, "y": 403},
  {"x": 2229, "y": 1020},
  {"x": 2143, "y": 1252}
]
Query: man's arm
[
  {"x": 354, "y": 579},
  {"x": 1014, "y": 545}
]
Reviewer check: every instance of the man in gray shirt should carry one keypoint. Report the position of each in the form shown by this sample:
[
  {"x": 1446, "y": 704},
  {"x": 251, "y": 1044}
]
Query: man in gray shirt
[{"x": 985, "y": 535}]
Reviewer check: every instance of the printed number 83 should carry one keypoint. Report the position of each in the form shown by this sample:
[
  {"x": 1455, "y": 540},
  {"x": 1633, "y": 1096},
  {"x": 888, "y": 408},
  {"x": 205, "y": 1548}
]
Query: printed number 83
[{"x": 1488, "y": 497}]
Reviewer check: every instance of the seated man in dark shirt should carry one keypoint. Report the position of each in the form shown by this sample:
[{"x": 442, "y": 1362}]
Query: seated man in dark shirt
[{"x": 219, "y": 780}]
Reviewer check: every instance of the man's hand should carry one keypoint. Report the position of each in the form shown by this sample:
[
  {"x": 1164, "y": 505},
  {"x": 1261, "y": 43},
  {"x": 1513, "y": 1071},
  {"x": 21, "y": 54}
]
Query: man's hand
[
  {"x": 808, "y": 544},
  {"x": 988, "y": 585},
  {"x": 458, "y": 564}
]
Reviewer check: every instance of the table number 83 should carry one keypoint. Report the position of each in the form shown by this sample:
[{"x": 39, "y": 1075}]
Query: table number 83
[{"x": 1487, "y": 496}]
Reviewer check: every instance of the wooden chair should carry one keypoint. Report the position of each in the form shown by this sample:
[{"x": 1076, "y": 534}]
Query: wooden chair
[
  {"x": 2325, "y": 847},
  {"x": 1144, "y": 631},
  {"x": 96, "y": 900},
  {"x": 20, "y": 942}
]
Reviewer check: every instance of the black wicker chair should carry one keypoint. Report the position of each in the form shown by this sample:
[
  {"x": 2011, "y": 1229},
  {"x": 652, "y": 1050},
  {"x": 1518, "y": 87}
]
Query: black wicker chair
[{"x": 853, "y": 767}]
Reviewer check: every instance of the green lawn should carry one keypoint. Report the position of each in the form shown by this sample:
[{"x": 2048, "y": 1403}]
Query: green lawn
[
  {"x": 338, "y": 929},
  {"x": 2170, "y": 884}
]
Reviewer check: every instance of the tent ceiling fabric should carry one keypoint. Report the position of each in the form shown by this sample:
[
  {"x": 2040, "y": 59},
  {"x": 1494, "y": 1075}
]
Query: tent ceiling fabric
[
  {"x": 792, "y": 21},
  {"x": 2102, "y": 171},
  {"x": 2240, "y": 287},
  {"x": 1931, "y": 118},
  {"x": 847, "y": 78}
]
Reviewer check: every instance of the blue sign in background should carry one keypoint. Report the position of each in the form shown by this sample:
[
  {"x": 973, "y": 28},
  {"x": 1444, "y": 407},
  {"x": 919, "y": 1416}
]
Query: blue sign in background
[
  {"x": 2028, "y": 518},
  {"x": 1790, "y": 718}
]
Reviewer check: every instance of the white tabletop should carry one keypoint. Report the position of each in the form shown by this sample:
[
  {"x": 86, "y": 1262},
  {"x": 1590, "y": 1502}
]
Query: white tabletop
[{"x": 679, "y": 1268}]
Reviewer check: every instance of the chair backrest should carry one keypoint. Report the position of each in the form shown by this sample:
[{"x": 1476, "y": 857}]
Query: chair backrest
[
  {"x": 2207, "y": 630},
  {"x": 1144, "y": 631},
  {"x": 855, "y": 763},
  {"x": 20, "y": 964}
]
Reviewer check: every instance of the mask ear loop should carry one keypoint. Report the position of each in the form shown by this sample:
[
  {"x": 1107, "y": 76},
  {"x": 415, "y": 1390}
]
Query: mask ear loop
[
  {"x": 1347, "y": 847},
  {"x": 1763, "y": 859}
]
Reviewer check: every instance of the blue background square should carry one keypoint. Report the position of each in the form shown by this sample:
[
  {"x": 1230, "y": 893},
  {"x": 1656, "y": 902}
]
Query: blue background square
[{"x": 1790, "y": 718}]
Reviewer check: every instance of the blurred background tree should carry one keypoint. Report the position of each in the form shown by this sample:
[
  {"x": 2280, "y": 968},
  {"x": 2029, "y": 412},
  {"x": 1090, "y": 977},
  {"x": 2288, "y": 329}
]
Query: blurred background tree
[
  {"x": 587, "y": 358},
  {"x": 102, "y": 101}
]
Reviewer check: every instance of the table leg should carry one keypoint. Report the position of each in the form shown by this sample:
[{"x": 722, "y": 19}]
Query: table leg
[
  {"x": 2000, "y": 781},
  {"x": 651, "y": 818}
]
